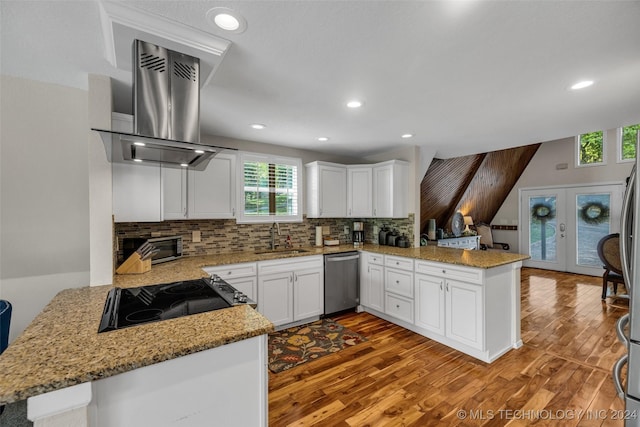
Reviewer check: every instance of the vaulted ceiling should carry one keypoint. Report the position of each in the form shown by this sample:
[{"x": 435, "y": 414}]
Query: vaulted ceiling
[{"x": 463, "y": 77}]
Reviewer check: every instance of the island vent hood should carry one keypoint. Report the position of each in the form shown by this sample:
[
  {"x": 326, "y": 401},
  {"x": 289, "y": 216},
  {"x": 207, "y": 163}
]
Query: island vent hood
[{"x": 166, "y": 112}]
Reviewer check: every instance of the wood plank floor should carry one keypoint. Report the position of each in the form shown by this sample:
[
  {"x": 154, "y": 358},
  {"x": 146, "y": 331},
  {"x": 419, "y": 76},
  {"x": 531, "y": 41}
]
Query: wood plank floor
[{"x": 560, "y": 377}]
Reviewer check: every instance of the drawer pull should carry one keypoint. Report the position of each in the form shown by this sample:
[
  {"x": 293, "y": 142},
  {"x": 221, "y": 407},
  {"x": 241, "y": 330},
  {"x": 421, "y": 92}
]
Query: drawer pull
[
  {"x": 229, "y": 273},
  {"x": 397, "y": 282},
  {"x": 397, "y": 305},
  {"x": 397, "y": 263}
]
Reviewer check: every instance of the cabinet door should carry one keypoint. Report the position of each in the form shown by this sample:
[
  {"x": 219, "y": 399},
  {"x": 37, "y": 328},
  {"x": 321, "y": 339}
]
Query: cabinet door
[
  {"x": 382, "y": 192},
  {"x": 136, "y": 193},
  {"x": 246, "y": 285},
  {"x": 276, "y": 297},
  {"x": 429, "y": 303},
  {"x": 464, "y": 313},
  {"x": 308, "y": 293},
  {"x": 212, "y": 191},
  {"x": 390, "y": 190},
  {"x": 174, "y": 193},
  {"x": 359, "y": 192},
  {"x": 333, "y": 191},
  {"x": 376, "y": 287}
]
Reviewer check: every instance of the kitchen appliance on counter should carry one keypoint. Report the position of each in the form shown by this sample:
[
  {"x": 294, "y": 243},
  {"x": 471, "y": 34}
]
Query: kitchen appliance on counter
[
  {"x": 629, "y": 253},
  {"x": 127, "y": 307},
  {"x": 166, "y": 248},
  {"x": 341, "y": 282},
  {"x": 358, "y": 234}
]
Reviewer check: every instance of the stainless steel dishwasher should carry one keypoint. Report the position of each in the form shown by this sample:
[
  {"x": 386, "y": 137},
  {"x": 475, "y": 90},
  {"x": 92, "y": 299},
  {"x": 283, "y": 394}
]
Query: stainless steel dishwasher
[{"x": 341, "y": 282}]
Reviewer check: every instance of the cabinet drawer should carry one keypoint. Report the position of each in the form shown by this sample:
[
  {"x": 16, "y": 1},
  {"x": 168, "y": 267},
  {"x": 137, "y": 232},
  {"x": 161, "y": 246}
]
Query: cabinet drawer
[
  {"x": 450, "y": 271},
  {"x": 399, "y": 282},
  {"x": 231, "y": 271},
  {"x": 290, "y": 264},
  {"x": 375, "y": 259},
  {"x": 398, "y": 262},
  {"x": 399, "y": 307}
]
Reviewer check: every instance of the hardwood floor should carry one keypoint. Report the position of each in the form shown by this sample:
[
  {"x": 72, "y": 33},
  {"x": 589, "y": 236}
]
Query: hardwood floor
[{"x": 560, "y": 377}]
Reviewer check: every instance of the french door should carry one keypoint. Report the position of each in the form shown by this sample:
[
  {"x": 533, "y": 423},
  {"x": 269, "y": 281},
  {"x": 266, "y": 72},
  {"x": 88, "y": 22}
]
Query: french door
[{"x": 560, "y": 227}]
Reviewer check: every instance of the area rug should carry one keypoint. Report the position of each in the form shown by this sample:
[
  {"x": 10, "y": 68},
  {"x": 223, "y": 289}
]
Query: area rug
[{"x": 294, "y": 346}]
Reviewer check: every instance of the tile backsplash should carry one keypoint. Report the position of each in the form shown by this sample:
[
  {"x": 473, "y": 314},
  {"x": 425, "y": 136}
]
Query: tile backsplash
[{"x": 225, "y": 235}]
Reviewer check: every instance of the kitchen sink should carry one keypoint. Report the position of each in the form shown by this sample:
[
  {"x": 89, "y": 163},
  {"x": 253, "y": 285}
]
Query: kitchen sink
[{"x": 281, "y": 251}]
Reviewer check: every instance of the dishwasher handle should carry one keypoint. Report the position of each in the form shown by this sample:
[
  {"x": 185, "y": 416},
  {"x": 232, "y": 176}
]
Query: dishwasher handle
[{"x": 342, "y": 258}]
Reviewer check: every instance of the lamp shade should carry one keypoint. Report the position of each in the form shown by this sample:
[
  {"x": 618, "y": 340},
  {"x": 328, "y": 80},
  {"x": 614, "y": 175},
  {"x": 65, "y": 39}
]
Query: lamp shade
[{"x": 468, "y": 220}]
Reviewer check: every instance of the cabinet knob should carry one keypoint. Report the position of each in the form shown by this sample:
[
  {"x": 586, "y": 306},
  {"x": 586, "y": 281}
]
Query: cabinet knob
[
  {"x": 444, "y": 271},
  {"x": 397, "y": 282},
  {"x": 229, "y": 273},
  {"x": 397, "y": 305},
  {"x": 397, "y": 263}
]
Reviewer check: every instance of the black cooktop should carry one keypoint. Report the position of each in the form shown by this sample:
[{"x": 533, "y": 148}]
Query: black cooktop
[{"x": 134, "y": 306}]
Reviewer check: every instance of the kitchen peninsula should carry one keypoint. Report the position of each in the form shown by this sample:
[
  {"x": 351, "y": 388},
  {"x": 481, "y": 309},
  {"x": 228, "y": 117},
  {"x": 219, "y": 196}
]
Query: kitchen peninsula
[{"x": 61, "y": 349}]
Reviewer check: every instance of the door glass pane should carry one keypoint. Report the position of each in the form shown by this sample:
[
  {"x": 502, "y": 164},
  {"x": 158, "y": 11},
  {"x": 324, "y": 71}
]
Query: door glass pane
[
  {"x": 592, "y": 223},
  {"x": 542, "y": 228}
]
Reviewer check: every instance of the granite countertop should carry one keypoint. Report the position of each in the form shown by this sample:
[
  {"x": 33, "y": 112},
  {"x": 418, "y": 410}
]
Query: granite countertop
[
  {"x": 190, "y": 267},
  {"x": 62, "y": 347}
]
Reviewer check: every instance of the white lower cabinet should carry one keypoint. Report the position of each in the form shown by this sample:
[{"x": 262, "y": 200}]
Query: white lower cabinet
[
  {"x": 398, "y": 286},
  {"x": 308, "y": 294},
  {"x": 430, "y": 303},
  {"x": 276, "y": 297},
  {"x": 372, "y": 281},
  {"x": 289, "y": 292},
  {"x": 464, "y": 310},
  {"x": 474, "y": 310}
]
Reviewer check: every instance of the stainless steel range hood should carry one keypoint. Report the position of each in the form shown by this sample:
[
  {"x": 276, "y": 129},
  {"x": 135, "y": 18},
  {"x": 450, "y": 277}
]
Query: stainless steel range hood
[{"x": 166, "y": 105}]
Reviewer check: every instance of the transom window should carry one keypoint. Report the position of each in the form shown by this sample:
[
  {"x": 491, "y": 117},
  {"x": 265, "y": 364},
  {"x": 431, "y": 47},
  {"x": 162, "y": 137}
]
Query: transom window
[
  {"x": 269, "y": 188},
  {"x": 628, "y": 137},
  {"x": 590, "y": 149}
]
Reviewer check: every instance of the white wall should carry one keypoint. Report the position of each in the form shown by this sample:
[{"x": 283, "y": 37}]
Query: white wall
[
  {"x": 44, "y": 194},
  {"x": 542, "y": 172}
]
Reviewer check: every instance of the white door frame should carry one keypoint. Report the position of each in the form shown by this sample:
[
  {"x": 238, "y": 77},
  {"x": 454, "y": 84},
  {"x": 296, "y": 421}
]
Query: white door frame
[{"x": 565, "y": 247}]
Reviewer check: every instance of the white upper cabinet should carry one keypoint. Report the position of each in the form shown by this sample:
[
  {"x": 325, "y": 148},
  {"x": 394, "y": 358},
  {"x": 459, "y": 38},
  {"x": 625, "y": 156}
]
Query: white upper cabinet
[
  {"x": 326, "y": 190},
  {"x": 390, "y": 189},
  {"x": 136, "y": 190},
  {"x": 212, "y": 192},
  {"x": 174, "y": 193},
  {"x": 136, "y": 193},
  {"x": 207, "y": 194},
  {"x": 359, "y": 191}
]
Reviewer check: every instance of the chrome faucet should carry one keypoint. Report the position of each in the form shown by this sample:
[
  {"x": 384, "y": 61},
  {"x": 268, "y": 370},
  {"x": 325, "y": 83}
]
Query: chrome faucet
[{"x": 273, "y": 229}]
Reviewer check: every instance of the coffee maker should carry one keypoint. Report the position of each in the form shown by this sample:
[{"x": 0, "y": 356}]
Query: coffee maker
[{"x": 358, "y": 234}]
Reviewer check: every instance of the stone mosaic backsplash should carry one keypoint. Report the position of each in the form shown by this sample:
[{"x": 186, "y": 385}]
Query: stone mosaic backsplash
[{"x": 225, "y": 235}]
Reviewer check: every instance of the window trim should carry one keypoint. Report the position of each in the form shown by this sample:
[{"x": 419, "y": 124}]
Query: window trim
[
  {"x": 619, "y": 147},
  {"x": 266, "y": 158},
  {"x": 604, "y": 151}
]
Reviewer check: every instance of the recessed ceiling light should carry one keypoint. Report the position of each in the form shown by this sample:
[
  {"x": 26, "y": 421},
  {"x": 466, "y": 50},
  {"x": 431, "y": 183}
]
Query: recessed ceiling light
[
  {"x": 258, "y": 126},
  {"x": 139, "y": 144},
  {"x": 199, "y": 151},
  {"x": 323, "y": 138},
  {"x": 354, "y": 104},
  {"x": 407, "y": 135},
  {"x": 582, "y": 84},
  {"x": 227, "y": 19}
]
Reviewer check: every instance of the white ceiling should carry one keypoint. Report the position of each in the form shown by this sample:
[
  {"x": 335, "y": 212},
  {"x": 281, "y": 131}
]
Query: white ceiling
[{"x": 462, "y": 76}]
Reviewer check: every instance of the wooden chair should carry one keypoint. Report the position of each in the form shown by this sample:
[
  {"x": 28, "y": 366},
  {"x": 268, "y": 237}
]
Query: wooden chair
[{"x": 609, "y": 253}]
